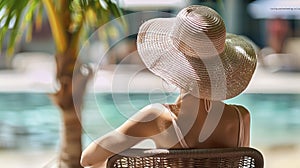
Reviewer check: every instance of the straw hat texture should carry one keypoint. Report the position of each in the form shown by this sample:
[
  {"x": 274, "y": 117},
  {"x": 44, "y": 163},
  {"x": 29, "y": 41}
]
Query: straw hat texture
[{"x": 194, "y": 52}]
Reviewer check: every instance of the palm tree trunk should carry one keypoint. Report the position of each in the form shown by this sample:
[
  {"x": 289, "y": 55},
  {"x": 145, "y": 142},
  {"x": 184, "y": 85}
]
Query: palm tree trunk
[
  {"x": 70, "y": 140},
  {"x": 69, "y": 99},
  {"x": 72, "y": 84}
]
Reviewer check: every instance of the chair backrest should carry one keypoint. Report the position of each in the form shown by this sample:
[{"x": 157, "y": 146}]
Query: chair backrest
[{"x": 241, "y": 157}]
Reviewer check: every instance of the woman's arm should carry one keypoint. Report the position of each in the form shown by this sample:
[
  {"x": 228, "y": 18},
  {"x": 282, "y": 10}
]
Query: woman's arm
[
  {"x": 139, "y": 127},
  {"x": 101, "y": 149}
]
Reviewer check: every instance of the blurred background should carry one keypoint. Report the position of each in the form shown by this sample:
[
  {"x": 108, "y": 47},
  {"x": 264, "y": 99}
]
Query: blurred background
[{"x": 30, "y": 123}]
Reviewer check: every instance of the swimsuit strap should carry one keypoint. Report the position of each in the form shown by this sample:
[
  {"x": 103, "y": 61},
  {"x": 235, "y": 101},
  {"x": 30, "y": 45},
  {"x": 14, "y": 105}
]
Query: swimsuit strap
[
  {"x": 207, "y": 105},
  {"x": 241, "y": 128},
  {"x": 177, "y": 130}
]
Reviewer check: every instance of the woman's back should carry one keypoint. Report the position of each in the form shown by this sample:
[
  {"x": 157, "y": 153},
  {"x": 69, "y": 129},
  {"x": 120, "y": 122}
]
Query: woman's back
[{"x": 231, "y": 130}]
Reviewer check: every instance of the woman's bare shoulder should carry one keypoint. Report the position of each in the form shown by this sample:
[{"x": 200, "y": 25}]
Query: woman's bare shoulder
[
  {"x": 241, "y": 108},
  {"x": 145, "y": 122},
  {"x": 150, "y": 112},
  {"x": 244, "y": 111}
]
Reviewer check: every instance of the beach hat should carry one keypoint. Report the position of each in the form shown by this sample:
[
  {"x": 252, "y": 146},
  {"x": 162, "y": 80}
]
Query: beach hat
[{"x": 194, "y": 52}]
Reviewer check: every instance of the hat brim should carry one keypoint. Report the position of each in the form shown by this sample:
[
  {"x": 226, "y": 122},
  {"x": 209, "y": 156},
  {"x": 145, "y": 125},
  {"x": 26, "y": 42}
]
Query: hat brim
[{"x": 220, "y": 77}]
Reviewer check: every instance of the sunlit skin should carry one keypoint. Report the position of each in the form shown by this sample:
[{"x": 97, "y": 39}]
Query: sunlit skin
[{"x": 156, "y": 124}]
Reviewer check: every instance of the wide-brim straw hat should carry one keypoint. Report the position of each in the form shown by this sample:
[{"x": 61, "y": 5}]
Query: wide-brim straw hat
[{"x": 194, "y": 52}]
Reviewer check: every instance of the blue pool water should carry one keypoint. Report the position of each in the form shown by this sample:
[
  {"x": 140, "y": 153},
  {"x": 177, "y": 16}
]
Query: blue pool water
[{"x": 29, "y": 120}]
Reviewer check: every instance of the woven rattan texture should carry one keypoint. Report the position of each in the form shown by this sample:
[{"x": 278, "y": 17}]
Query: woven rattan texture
[{"x": 185, "y": 158}]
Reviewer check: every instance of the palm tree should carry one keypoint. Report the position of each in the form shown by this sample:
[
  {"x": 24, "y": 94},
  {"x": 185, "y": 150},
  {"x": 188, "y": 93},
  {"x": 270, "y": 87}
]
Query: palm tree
[{"x": 69, "y": 21}]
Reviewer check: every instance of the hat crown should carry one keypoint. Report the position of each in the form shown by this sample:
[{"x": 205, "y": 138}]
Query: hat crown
[{"x": 199, "y": 31}]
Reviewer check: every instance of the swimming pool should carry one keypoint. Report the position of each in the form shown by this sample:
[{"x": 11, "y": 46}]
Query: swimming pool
[{"x": 29, "y": 120}]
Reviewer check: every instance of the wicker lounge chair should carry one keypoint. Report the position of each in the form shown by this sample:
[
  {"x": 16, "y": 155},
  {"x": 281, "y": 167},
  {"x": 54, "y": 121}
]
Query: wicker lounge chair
[{"x": 241, "y": 157}]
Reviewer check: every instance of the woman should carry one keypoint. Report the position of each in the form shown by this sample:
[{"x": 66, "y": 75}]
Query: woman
[{"x": 193, "y": 52}]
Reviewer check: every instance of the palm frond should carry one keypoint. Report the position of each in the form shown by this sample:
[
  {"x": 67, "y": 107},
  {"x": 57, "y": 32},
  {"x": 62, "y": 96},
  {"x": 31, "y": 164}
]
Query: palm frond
[
  {"x": 39, "y": 17},
  {"x": 16, "y": 15},
  {"x": 57, "y": 25},
  {"x": 87, "y": 15},
  {"x": 14, "y": 18},
  {"x": 93, "y": 13}
]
